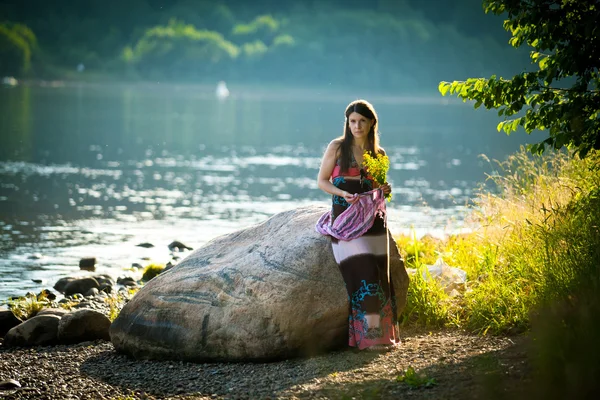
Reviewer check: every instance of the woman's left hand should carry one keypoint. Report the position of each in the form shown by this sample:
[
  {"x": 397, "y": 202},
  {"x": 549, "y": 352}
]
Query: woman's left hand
[{"x": 387, "y": 188}]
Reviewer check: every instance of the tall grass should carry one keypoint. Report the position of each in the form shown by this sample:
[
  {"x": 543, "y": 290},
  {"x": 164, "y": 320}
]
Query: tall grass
[{"x": 529, "y": 243}]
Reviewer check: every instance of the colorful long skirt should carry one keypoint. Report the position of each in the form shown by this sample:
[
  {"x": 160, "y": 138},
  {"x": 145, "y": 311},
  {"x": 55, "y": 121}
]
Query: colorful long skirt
[{"x": 363, "y": 263}]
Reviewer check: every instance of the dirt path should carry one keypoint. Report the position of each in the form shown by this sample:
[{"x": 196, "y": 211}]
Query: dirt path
[{"x": 463, "y": 367}]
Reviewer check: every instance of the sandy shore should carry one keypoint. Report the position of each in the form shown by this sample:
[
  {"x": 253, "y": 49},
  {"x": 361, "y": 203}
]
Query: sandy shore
[{"x": 463, "y": 366}]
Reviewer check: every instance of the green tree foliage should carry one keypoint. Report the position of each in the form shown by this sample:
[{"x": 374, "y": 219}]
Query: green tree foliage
[
  {"x": 383, "y": 45},
  {"x": 562, "y": 94},
  {"x": 178, "y": 48},
  {"x": 263, "y": 27},
  {"x": 17, "y": 45},
  {"x": 256, "y": 37}
]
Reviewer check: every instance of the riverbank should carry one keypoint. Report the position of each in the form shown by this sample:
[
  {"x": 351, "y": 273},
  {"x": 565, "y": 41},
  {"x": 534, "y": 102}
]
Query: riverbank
[
  {"x": 453, "y": 365},
  {"x": 241, "y": 90}
]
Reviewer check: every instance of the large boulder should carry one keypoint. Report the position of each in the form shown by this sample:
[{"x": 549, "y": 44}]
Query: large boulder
[{"x": 266, "y": 292}]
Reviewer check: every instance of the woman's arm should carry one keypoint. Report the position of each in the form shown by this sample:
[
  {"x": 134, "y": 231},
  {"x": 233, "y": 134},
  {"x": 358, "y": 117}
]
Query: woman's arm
[{"x": 327, "y": 166}]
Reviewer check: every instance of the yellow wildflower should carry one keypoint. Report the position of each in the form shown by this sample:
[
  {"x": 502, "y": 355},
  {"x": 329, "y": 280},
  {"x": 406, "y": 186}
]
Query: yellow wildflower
[{"x": 377, "y": 167}]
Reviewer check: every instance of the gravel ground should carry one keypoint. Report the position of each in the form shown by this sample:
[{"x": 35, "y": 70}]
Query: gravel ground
[{"x": 463, "y": 367}]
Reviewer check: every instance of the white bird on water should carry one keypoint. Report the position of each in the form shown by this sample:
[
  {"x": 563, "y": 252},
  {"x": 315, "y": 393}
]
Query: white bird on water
[{"x": 222, "y": 92}]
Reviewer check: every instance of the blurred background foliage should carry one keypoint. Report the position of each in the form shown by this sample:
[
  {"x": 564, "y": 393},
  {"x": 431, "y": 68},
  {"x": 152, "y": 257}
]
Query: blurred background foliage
[{"x": 383, "y": 45}]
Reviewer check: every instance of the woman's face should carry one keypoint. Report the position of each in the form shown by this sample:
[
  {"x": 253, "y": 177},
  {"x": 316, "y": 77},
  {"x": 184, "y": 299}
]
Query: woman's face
[{"x": 359, "y": 125}]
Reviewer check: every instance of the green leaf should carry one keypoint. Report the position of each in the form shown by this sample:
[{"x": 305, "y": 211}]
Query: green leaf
[
  {"x": 444, "y": 87},
  {"x": 515, "y": 124},
  {"x": 453, "y": 87}
]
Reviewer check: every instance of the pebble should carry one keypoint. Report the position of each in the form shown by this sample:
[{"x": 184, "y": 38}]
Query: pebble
[
  {"x": 9, "y": 384},
  {"x": 94, "y": 370}
]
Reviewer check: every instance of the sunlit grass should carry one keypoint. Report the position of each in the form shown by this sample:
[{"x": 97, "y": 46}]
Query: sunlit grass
[
  {"x": 28, "y": 306},
  {"x": 526, "y": 246}
]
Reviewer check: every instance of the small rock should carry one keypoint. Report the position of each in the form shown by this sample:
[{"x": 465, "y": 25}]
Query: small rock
[
  {"x": 83, "y": 304},
  {"x": 88, "y": 264},
  {"x": 176, "y": 245},
  {"x": 92, "y": 292},
  {"x": 59, "y": 312},
  {"x": 62, "y": 283},
  {"x": 125, "y": 280},
  {"x": 35, "y": 256},
  {"x": 9, "y": 384},
  {"x": 81, "y": 285},
  {"x": 46, "y": 293},
  {"x": 104, "y": 277},
  {"x": 105, "y": 289},
  {"x": 7, "y": 321},
  {"x": 83, "y": 325},
  {"x": 37, "y": 331},
  {"x": 145, "y": 245},
  {"x": 40, "y": 281}
]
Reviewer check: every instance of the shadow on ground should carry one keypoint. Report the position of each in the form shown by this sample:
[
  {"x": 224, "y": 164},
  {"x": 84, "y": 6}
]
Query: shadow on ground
[
  {"x": 496, "y": 375},
  {"x": 231, "y": 380},
  {"x": 463, "y": 367}
]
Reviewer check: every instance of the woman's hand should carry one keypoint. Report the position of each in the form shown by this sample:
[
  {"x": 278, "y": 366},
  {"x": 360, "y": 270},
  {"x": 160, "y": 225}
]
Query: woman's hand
[
  {"x": 350, "y": 198},
  {"x": 387, "y": 189}
]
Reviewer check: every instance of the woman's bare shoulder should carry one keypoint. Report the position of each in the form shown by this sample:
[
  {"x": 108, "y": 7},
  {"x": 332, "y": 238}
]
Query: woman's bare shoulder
[
  {"x": 334, "y": 145},
  {"x": 337, "y": 142},
  {"x": 382, "y": 151}
]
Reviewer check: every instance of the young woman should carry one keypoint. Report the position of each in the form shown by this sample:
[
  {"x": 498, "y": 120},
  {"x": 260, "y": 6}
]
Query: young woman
[{"x": 363, "y": 260}]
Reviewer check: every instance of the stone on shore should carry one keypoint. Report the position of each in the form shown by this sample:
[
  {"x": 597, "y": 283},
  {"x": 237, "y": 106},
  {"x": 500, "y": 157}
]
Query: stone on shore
[
  {"x": 37, "y": 331},
  {"x": 81, "y": 285},
  {"x": 62, "y": 283},
  {"x": 59, "y": 312},
  {"x": 7, "y": 321},
  {"x": 88, "y": 263},
  {"x": 9, "y": 384},
  {"x": 83, "y": 325},
  {"x": 270, "y": 291}
]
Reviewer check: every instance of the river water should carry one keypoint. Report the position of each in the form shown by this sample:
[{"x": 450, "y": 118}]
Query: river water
[{"x": 94, "y": 169}]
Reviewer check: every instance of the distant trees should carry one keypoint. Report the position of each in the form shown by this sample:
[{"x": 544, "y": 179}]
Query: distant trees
[
  {"x": 178, "y": 49},
  {"x": 17, "y": 45},
  {"x": 383, "y": 45},
  {"x": 562, "y": 94}
]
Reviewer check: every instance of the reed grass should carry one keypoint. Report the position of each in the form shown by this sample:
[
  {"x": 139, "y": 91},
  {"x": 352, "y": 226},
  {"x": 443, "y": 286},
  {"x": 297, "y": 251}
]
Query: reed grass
[{"x": 529, "y": 241}]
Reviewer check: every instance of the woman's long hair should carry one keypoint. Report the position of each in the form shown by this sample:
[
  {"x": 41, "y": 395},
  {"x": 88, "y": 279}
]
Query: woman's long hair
[{"x": 367, "y": 110}]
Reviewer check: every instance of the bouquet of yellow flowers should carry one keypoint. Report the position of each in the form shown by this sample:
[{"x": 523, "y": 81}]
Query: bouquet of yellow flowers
[{"x": 377, "y": 168}]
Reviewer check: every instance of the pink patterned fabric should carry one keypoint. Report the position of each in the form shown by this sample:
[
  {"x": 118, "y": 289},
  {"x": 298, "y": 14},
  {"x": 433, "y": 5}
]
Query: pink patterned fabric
[
  {"x": 356, "y": 219},
  {"x": 386, "y": 334},
  {"x": 337, "y": 171}
]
